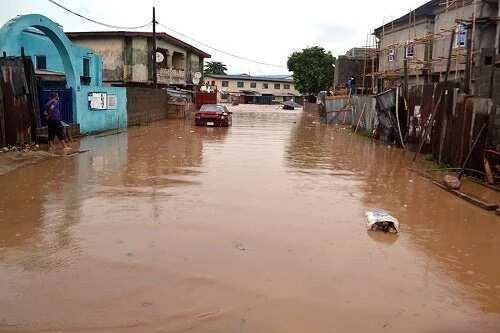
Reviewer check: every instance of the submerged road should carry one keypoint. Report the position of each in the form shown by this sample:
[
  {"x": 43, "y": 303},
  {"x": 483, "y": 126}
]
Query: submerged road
[{"x": 255, "y": 228}]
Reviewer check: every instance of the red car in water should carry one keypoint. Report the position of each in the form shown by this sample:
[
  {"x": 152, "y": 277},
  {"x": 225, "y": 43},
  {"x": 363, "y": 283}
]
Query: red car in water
[{"x": 213, "y": 115}]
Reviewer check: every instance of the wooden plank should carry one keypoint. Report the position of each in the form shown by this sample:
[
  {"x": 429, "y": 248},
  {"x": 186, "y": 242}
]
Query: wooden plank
[
  {"x": 2, "y": 119},
  {"x": 491, "y": 187},
  {"x": 487, "y": 169},
  {"x": 360, "y": 117},
  {"x": 469, "y": 198},
  {"x": 492, "y": 152}
]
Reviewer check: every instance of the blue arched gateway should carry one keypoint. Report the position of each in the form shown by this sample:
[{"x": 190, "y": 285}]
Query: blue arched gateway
[{"x": 94, "y": 106}]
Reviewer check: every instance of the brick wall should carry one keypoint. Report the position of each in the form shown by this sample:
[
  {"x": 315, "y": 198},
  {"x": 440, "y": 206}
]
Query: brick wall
[
  {"x": 145, "y": 105},
  {"x": 345, "y": 67}
]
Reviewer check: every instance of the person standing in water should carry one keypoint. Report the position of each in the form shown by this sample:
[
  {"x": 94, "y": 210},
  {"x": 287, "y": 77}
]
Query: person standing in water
[{"x": 55, "y": 127}]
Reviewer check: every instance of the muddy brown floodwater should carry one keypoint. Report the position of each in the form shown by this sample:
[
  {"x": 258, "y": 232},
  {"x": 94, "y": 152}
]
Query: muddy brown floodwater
[{"x": 255, "y": 228}]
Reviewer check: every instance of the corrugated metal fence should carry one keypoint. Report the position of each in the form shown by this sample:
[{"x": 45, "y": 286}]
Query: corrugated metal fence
[
  {"x": 457, "y": 122},
  {"x": 19, "y": 104}
]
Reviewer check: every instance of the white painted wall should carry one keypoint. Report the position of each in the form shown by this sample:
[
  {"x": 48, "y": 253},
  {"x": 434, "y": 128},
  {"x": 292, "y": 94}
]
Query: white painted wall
[{"x": 233, "y": 86}]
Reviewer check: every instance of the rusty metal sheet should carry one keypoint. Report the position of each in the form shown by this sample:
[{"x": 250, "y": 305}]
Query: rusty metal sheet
[{"x": 18, "y": 107}]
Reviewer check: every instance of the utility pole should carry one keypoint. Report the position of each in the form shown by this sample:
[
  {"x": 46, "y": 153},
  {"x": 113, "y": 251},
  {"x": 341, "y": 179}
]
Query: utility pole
[{"x": 155, "y": 65}]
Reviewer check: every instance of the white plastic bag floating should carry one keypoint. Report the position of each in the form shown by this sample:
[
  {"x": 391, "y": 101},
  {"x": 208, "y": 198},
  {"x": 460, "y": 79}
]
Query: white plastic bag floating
[{"x": 383, "y": 221}]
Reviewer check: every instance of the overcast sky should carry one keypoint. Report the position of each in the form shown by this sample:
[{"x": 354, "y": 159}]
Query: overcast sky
[{"x": 264, "y": 30}]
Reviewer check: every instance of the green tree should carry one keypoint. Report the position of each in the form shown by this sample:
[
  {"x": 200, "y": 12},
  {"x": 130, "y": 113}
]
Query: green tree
[
  {"x": 215, "y": 67},
  {"x": 313, "y": 70}
]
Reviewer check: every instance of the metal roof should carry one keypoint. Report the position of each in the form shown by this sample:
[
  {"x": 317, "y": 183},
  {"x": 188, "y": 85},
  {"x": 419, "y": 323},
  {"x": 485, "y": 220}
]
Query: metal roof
[
  {"x": 159, "y": 35},
  {"x": 244, "y": 77}
]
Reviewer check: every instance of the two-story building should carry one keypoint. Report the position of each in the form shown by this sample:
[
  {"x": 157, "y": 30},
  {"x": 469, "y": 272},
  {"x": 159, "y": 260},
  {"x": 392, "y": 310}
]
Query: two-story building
[
  {"x": 74, "y": 72},
  {"x": 128, "y": 61},
  {"x": 422, "y": 39},
  {"x": 254, "y": 89}
]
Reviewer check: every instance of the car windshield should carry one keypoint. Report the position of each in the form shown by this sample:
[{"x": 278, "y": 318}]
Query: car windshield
[{"x": 212, "y": 108}]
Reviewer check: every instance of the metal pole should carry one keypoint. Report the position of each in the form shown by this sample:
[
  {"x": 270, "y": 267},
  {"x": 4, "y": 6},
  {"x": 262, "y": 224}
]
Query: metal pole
[
  {"x": 364, "y": 67},
  {"x": 450, "y": 52},
  {"x": 406, "y": 95},
  {"x": 397, "y": 118},
  {"x": 372, "y": 50},
  {"x": 427, "y": 128},
  {"x": 155, "y": 66}
]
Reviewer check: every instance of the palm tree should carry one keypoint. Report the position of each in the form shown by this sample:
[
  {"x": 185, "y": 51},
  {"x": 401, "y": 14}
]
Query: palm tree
[{"x": 215, "y": 67}]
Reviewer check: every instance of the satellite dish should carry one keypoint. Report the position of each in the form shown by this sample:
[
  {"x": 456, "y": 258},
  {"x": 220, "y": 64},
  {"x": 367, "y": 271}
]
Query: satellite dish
[
  {"x": 197, "y": 75},
  {"x": 159, "y": 57}
]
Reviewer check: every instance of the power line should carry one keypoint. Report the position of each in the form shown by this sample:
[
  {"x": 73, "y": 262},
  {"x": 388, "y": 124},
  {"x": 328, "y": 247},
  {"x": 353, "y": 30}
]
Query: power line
[
  {"x": 219, "y": 50},
  {"x": 168, "y": 28},
  {"x": 97, "y": 22}
]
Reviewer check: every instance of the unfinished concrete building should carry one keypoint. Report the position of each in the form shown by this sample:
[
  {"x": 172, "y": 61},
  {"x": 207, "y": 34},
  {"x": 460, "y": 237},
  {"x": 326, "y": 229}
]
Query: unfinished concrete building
[
  {"x": 422, "y": 40},
  {"x": 359, "y": 63},
  {"x": 457, "y": 41}
]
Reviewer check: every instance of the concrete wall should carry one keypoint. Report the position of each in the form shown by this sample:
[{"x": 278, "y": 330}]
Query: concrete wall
[
  {"x": 146, "y": 105},
  {"x": 126, "y": 59},
  {"x": 441, "y": 46},
  {"x": 397, "y": 39},
  {"x": 233, "y": 86},
  {"x": 111, "y": 52},
  {"x": 140, "y": 60},
  {"x": 345, "y": 67},
  {"x": 36, "y": 43},
  {"x": 196, "y": 63},
  {"x": 101, "y": 120},
  {"x": 444, "y": 20},
  {"x": 173, "y": 48}
]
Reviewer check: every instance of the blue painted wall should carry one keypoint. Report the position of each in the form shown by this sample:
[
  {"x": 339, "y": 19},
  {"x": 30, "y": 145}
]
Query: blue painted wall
[
  {"x": 63, "y": 56},
  {"x": 36, "y": 43},
  {"x": 101, "y": 120}
]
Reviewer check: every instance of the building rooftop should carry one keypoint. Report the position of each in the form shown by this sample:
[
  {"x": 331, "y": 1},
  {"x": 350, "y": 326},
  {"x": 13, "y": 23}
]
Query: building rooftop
[
  {"x": 426, "y": 10},
  {"x": 160, "y": 35},
  {"x": 243, "y": 77}
]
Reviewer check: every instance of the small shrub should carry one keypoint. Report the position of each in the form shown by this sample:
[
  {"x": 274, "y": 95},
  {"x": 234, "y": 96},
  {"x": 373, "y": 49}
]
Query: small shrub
[{"x": 429, "y": 157}]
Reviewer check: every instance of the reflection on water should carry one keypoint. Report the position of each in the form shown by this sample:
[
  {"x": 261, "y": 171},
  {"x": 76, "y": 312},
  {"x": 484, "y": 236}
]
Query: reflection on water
[{"x": 172, "y": 227}]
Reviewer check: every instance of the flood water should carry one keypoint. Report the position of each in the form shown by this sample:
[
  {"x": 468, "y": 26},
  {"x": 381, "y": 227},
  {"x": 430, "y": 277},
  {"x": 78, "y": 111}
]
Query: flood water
[{"x": 255, "y": 228}]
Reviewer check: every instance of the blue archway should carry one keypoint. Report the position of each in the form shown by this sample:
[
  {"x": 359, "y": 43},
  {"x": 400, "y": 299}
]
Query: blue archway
[{"x": 10, "y": 43}]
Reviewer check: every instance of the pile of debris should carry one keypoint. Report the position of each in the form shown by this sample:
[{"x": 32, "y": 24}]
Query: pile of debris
[{"x": 23, "y": 148}]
